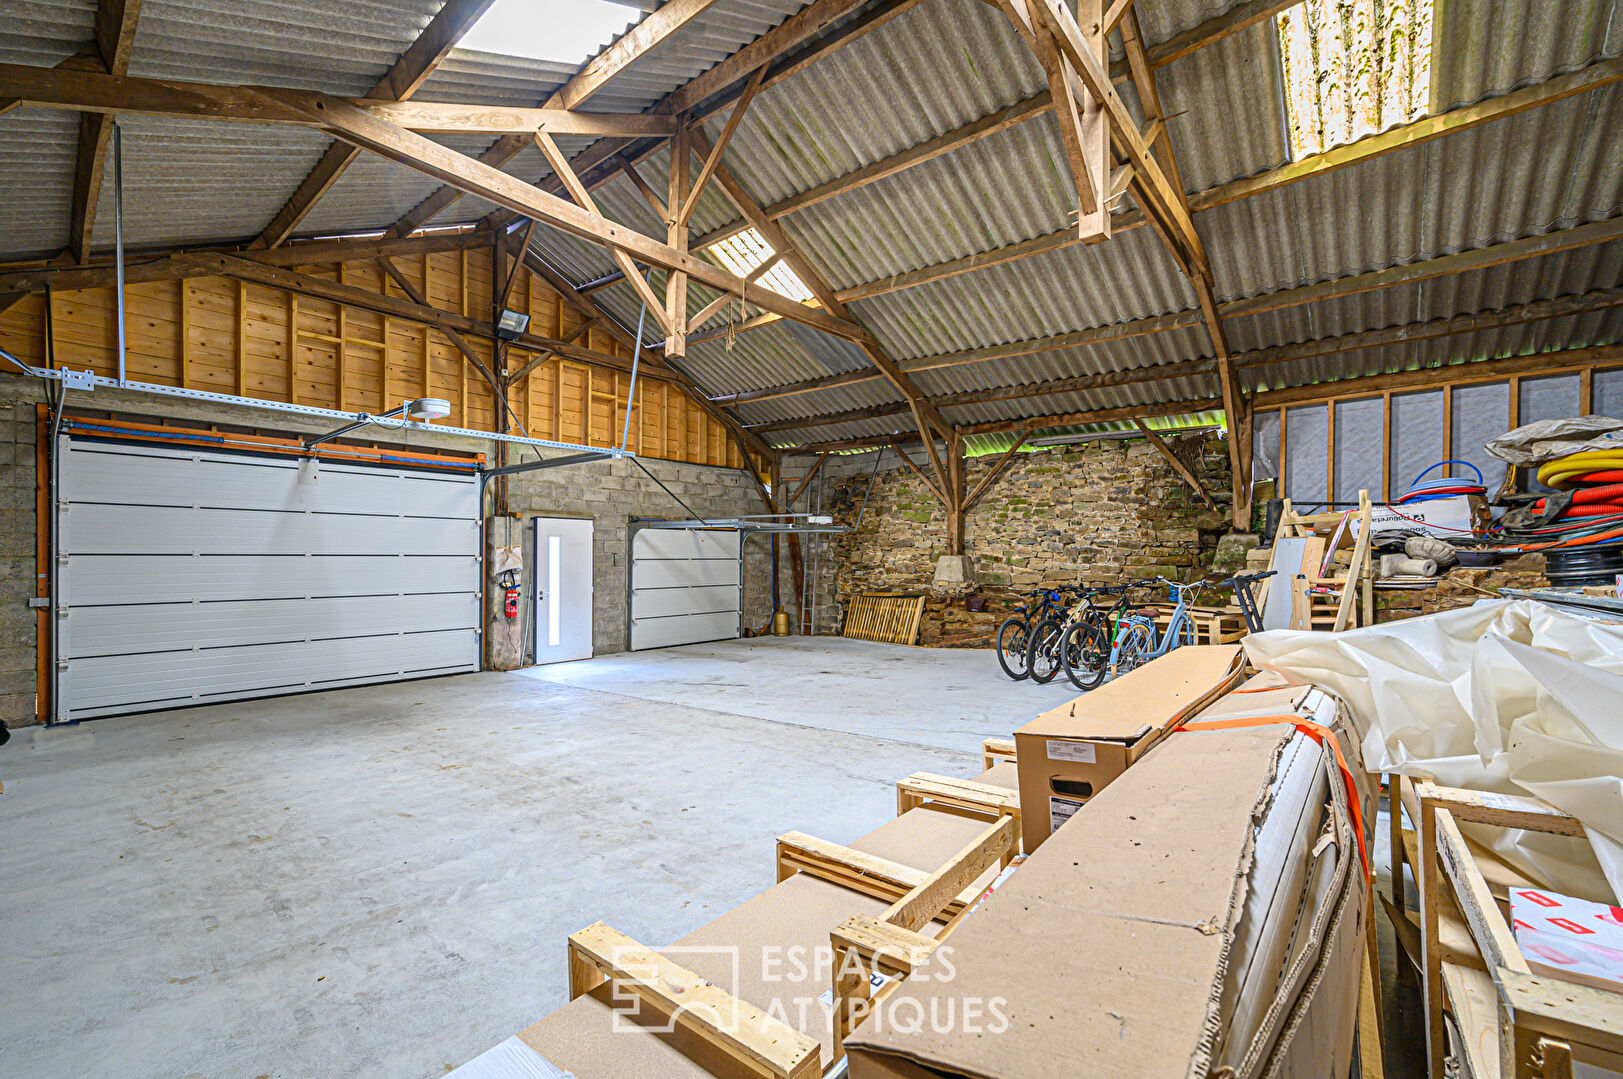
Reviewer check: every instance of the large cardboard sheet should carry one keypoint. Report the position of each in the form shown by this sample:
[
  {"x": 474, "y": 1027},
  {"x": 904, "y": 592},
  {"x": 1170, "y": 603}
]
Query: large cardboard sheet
[{"x": 1105, "y": 949}]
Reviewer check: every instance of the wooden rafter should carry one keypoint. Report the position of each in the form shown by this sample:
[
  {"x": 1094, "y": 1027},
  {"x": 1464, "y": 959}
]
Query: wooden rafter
[
  {"x": 998, "y": 468},
  {"x": 1176, "y": 462},
  {"x": 775, "y": 238},
  {"x": 805, "y": 481},
  {"x": 115, "y": 36},
  {"x": 916, "y": 470},
  {"x": 577, "y": 191},
  {"x": 1462, "y": 325},
  {"x": 749, "y": 444},
  {"x": 159, "y": 266},
  {"x": 403, "y": 80},
  {"x": 1444, "y": 266},
  {"x": 714, "y": 157},
  {"x": 676, "y": 235},
  {"x": 460, "y": 343},
  {"x": 608, "y": 65}
]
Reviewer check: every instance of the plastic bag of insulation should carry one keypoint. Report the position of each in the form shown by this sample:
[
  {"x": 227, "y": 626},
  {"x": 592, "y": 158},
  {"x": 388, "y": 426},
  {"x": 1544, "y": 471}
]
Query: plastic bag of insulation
[
  {"x": 1535, "y": 443},
  {"x": 1508, "y": 696}
]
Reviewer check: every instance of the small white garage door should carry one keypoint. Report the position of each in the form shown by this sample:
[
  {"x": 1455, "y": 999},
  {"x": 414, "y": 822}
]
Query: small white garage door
[
  {"x": 192, "y": 577},
  {"x": 686, "y": 586}
]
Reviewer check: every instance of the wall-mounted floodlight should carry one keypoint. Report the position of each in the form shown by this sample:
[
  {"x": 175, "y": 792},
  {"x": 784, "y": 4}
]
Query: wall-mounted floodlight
[
  {"x": 511, "y": 324},
  {"x": 423, "y": 408}
]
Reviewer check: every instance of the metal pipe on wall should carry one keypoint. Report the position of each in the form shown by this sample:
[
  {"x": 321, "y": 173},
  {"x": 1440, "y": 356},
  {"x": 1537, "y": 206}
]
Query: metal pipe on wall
[{"x": 118, "y": 241}]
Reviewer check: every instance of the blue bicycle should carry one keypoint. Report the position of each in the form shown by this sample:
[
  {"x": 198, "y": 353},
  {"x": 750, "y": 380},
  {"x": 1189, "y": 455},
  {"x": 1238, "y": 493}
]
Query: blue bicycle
[{"x": 1137, "y": 641}]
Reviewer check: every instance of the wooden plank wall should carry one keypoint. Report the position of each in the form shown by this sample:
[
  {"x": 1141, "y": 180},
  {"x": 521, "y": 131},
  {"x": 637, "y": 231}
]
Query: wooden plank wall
[{"x": 228, "y": 337}]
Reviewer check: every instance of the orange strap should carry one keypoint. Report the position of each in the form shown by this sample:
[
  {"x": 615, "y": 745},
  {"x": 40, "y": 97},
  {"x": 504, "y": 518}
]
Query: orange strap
[
  {"x": 1320, "y": 734},
  {"x": 1266, "y": 689}
]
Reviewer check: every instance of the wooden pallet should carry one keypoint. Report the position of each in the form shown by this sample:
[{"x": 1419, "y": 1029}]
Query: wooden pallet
[{"x": 886, "y": 617}]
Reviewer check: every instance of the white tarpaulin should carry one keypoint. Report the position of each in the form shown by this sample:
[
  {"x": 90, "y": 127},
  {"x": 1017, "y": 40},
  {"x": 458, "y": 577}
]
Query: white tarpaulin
[{"x": 1510, "y": 696}]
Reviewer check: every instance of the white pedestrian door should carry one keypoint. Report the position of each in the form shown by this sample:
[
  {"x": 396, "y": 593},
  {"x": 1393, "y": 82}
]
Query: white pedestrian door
[{"x": 561, "y": 554}]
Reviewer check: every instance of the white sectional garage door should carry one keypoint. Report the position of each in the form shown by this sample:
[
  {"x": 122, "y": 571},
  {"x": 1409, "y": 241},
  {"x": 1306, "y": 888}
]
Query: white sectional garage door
[
  {"x": 192, "y": 577},
  {"x": 686, "y": 586}
]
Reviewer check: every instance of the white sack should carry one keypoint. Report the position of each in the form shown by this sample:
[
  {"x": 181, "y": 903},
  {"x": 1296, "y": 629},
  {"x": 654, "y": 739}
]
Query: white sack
[
  {"x": 1512, "y": 696},
  {"x": 1545, "y": 440}
]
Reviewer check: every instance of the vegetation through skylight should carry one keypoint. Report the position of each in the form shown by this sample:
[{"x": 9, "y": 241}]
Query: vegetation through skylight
[
  {"x": 564, "y": 31},
  {"x": 747, "y": 250},
  {"x": 1353, "y": 67}
]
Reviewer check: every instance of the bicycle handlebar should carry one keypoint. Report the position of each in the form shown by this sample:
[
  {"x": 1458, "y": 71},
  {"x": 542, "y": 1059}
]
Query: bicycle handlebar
[{"x": 1246, "y": 578}]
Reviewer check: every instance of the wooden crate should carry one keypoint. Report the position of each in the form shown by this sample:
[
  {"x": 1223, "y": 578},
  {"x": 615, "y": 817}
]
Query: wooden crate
[
  {"x": 887, "y": 617},
  {"x": 1512, "y": 1022}
]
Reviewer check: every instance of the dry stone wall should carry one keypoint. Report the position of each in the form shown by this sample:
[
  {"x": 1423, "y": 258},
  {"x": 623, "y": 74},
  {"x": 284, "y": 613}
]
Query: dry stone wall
[{"x": 1101, "y": 513}]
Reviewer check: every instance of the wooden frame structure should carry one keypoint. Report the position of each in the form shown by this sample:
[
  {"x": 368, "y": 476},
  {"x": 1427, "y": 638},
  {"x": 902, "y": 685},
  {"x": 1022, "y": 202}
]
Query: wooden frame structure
[
  {"x": 887, "y": 617},
  {"x": 1513, "y": 1024},
  {"x": 964, "y": 797},
  {"x": 892, "y": 943},
  {"x": 759, "y": 1043},
  {"x": 1357, "y": 583},
  {"x": 994, "y": 750}
]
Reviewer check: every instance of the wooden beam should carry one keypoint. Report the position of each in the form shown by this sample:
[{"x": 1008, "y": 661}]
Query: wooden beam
[
  {"x": 403, "y": 79},
  {"x": 101, "y": 273},
  {"x": 928, "y": 437},
  {"x": 460, "y": 343},
  {"x": 633, "y": 45},
  {"x": 998, "y": 468},
  {"x": 1421, "y": 131},
  {"x": 115, "y": 35},
  {"x": 1239, "y": 18},
  {"x": 629, "y": 171},
  {"x": 779, "y": 242},
  {"x": 748, "y": 443},
  {"x": 494, "y": 119},
  {"x": 1177, "y": 464},
  {"x": 603, "y": 69},
  {"x": 676, "y": 235},
  {"x": 714, "y": 157},
  {"x": 577, "y": 190},
  {"x": 1538, "y": 363},
  {"x": 805, "y": 481}
]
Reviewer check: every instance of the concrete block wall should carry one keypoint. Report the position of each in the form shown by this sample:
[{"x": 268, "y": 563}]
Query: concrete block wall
[{"x": 610, "y": 493}]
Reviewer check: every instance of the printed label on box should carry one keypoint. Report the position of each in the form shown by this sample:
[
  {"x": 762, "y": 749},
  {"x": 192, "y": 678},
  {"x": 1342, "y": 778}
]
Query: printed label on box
[
  {"x": 1077, "y": 752},
  {"x": 1061, "y": 810}
]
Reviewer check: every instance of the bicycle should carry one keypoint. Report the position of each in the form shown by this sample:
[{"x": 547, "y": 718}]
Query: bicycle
[
  {"x": 1014, "y": 635},
  {"x": 1137, "y": 642},
  {"x": 1084, "y": 643}
]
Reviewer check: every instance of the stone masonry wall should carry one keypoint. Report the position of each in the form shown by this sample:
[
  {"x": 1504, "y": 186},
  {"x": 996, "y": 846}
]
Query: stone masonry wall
[
  {"x": 1103, "y": 512},
  {"x": 610, "y": 493}
]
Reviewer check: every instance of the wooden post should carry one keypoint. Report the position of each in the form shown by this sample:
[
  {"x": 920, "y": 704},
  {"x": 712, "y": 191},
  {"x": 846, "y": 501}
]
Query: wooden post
[
  {"x": 676, "y": 236},
  {"x": 955, "y": 495}
]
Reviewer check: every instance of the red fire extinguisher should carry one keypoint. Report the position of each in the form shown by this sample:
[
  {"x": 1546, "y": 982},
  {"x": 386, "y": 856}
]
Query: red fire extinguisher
[{"x": 510, "y": 599}]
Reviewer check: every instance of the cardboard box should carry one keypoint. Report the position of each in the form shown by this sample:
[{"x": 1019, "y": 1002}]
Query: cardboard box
[
  {"x": 1107, "y": 951},
  {"x": 1068, "y": 754}
]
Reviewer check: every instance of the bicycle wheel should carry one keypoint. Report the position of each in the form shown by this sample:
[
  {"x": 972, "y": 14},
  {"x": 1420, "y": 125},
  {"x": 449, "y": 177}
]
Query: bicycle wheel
[
  {"x": 1042, "y": 654},
  {"x": 1011, "y": 648},
  {"x": 1182, "y": 635},
  {"x": 1134, "y": 648},
  {"x": 1084, "y": 652}
]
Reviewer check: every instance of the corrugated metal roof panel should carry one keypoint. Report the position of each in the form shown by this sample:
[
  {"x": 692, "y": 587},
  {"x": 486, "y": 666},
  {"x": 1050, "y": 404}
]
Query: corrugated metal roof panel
[
  {"x": 484, "y": 78},
  {"x": 776, "y": 355},
  {"x": 1494, "y": 288},
  {"x": 45, "y": 32},
  {"x": 892, "y": 89},
  {"x": 1163, "y": 19},
  {"x": 821, "y": 403},
  {"x": 310, "y": 44},
  {"x": 192, "y": 181},
  {"x": 1596, "y": 328},
  {"x": 38, "y": 148},
  {"x": 1239, "y": 79},
  {"x": 1489, "y": 184},
  {"x": 1129, "y": 277},
  {"x": 1486, "y": 47}
]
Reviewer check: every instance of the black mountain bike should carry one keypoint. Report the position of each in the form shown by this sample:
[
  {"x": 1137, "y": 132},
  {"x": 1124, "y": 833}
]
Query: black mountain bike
[
  {"x": 1084, "y": 646},
  {"x": 1014, "y": 635},
  {"x": 1244, "y": 599}
]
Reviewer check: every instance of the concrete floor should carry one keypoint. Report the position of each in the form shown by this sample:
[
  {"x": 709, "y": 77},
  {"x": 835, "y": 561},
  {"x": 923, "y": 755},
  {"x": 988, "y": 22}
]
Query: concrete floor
[{"x": 379, "y": 881}]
